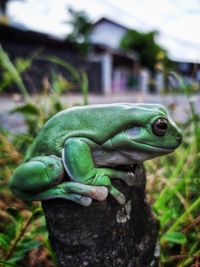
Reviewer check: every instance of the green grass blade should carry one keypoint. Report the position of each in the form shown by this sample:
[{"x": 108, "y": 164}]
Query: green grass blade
[
  {"x": 183, "y": 218},
  {"x": 66, "y": 65},
  {"x": 84, "y": 88},
  {"x": 166, "y": 192},
  {"x": 10, "y": 67}
]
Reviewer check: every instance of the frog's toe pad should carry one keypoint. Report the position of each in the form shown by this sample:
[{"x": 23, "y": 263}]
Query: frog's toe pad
[
  {"x": 121, "y": 199},
  {"x": 100, "y": 193},
  {"x": 82, "y": 200},
  {"x": 117, "y": 195}
]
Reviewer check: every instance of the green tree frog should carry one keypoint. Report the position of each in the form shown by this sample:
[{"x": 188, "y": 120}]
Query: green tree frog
[{"x": 80, "y": 150}]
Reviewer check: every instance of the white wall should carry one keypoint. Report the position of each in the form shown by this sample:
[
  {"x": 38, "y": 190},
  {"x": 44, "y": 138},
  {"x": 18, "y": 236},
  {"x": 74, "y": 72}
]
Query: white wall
[
  {"x": 144, "y": 80},
  {"x": 107, "y": 34},
  {"x": 107, "y": 73},
  {"x": 106, "y": 61},
  {"x": 160, "y": 84}
]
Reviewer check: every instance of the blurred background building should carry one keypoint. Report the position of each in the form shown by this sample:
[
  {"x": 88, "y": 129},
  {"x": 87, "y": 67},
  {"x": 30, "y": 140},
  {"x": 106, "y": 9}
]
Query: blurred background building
[{"x": 117, "y": 58}]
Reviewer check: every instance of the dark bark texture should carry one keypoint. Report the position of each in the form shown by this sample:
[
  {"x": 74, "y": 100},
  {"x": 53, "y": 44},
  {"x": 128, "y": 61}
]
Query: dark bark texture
[{"x": 105, "y": 234}]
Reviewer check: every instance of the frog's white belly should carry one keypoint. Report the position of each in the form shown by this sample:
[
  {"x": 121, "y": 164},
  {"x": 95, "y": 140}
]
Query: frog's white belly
[{"x": 113, "y": 158}]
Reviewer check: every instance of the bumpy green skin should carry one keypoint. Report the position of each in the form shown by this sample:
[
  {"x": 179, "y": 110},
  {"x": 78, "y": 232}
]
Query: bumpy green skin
[{"x": 88, "y": 144}]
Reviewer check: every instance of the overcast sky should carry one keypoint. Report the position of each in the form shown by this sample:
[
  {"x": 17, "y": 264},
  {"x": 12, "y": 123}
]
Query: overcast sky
[{"x": 178, "y": 21}]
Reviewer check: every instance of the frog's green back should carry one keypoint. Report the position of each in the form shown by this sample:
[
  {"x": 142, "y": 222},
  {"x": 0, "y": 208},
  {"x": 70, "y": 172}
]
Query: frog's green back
[{"x": 96, "y": 122}]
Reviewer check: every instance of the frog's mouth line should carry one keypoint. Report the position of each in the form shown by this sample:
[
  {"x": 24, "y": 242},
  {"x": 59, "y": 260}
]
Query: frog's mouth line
[
  {"x": 153, "y": 148},
  {"x": 161, "y": 149}
]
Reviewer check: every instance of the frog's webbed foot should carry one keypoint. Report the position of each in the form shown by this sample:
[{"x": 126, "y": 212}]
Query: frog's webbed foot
[{"x": 126, "y": 176}]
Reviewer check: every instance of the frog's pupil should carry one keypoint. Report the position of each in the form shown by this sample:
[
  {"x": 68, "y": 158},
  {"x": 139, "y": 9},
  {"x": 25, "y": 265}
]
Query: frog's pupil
[{"x": 160, "y": 126}]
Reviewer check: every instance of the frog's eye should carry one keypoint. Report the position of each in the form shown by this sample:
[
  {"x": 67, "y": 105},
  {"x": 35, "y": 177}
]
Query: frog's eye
[{"x": 160, "y": 126}]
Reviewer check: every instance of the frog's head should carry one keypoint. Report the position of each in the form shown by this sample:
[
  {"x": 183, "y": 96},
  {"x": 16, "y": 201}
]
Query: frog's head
[{"x": 152, "y": 133}]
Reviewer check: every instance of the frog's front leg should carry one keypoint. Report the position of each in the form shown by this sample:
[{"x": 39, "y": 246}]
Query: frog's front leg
[
  {"x": 78, "y": 162},
  {"x": 43, "y": 178}
]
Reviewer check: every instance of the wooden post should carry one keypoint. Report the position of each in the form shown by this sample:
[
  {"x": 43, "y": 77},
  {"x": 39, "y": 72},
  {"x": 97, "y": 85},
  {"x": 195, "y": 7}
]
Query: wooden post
[{"x": 105, "y": 234}]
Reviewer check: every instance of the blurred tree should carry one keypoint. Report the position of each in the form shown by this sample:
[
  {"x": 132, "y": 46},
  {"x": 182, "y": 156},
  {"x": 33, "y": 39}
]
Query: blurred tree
[
  {"x": 145, "y": 45},
  {"x": 81, "y": 26}
]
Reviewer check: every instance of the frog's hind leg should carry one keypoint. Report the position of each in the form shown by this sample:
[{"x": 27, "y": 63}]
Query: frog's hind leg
[
  {"x": 38, "y": 174},
  {"x": 42, "y": 178}
]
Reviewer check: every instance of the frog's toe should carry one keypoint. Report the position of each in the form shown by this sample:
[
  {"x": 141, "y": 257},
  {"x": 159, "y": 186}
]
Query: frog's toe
[
  {"x": 99, "y": 193},
  {"x": 117, "y": 195},
  {"x": 81, "y": 200}
]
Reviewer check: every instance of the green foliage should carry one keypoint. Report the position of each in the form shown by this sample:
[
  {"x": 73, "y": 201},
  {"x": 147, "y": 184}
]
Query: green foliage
[
  {"x": 9, "y": 158},
  {"x": 145, "y": 45},
  {"x": 34, "y": 119},
  {"x": 79, "y": 77},
  {"x": 19, "y": 237},
  {"x": 81, "y": 27},
  {"x": 175, "y": 237},
  {"x": 23, "y": 228},
  {"x": 11, "y": 73},
  {"x": 175, "y": 193},
  {"x": 36, "y": 114}
]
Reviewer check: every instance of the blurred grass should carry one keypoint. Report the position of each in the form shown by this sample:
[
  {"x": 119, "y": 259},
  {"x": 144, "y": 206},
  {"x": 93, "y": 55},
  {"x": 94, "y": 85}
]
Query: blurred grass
[
  {"x": 23, "y": 234},
  {"x": 174, "y": 192},
  {"x": 173, "y": 181}
]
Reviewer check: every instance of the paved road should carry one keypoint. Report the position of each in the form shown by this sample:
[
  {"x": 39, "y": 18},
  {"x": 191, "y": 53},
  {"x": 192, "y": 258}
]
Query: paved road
[{"x": 178, "y": 104}]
